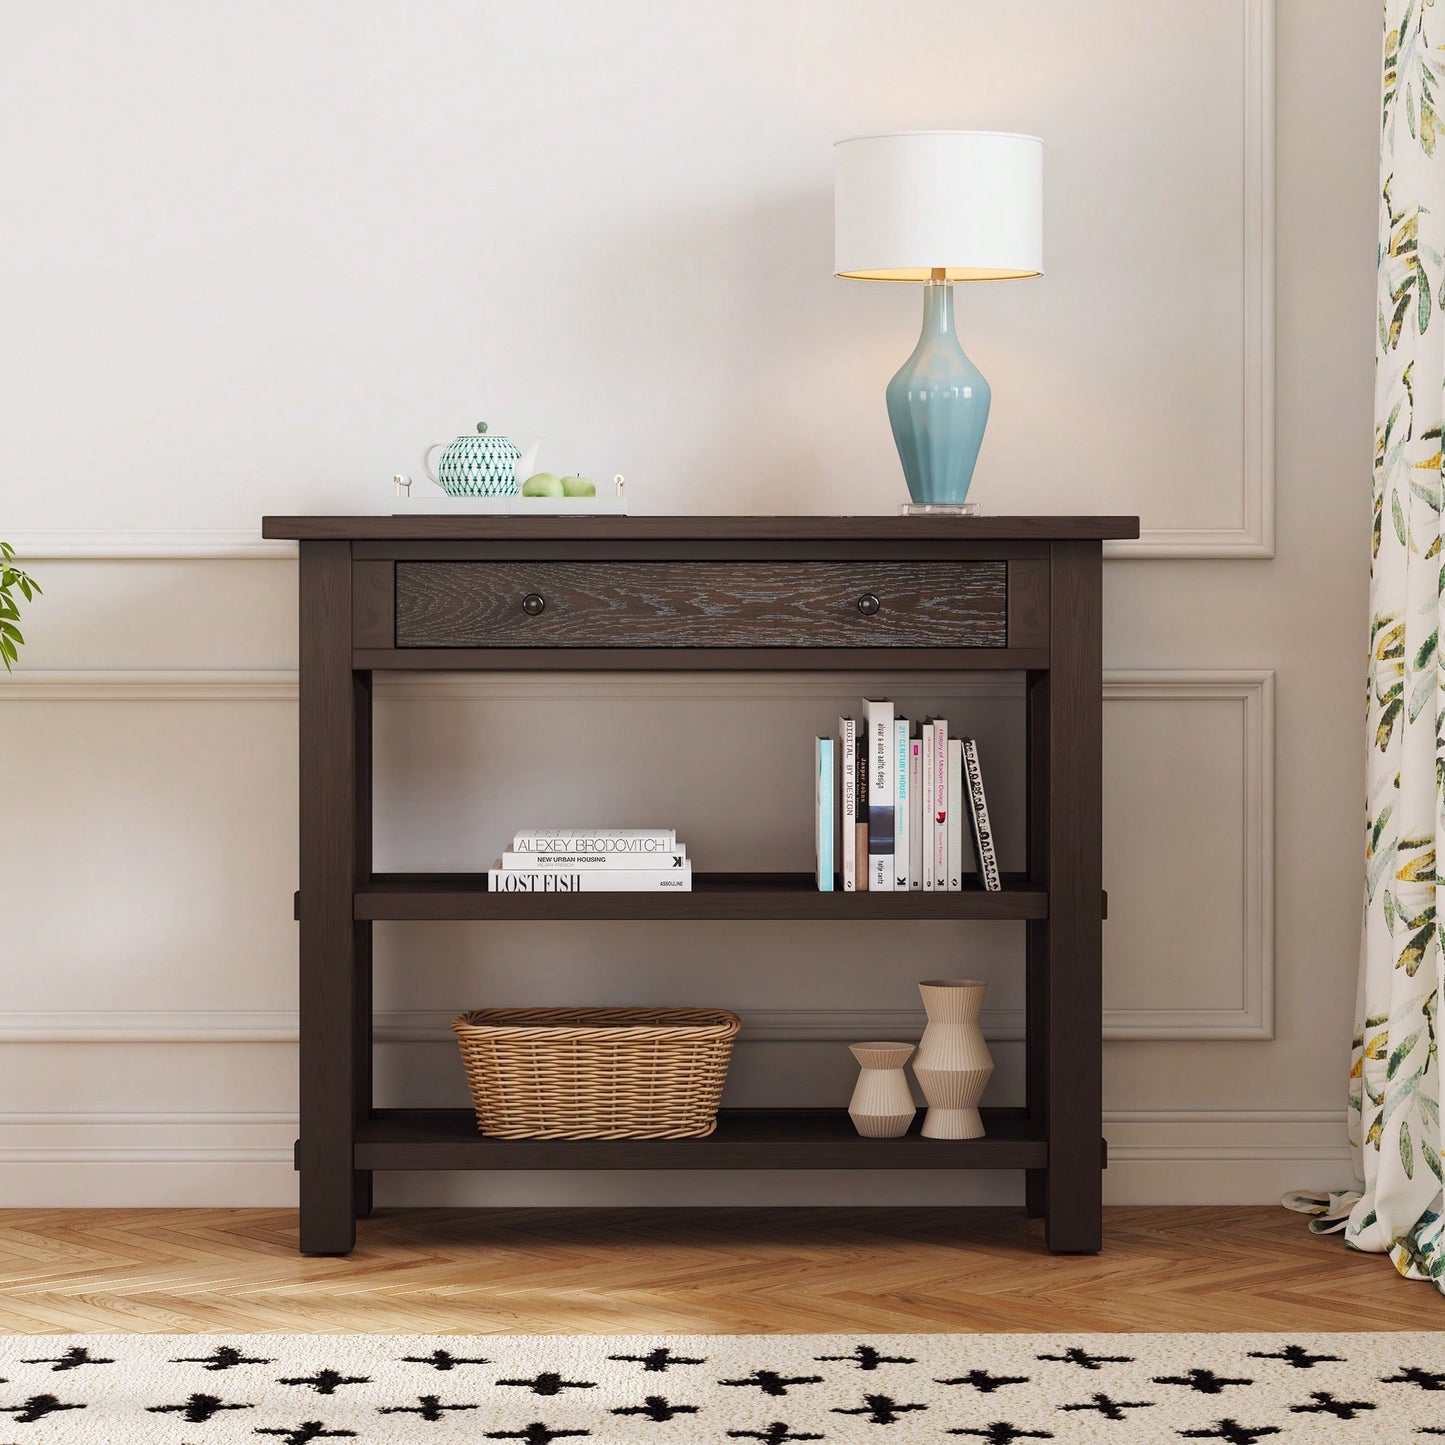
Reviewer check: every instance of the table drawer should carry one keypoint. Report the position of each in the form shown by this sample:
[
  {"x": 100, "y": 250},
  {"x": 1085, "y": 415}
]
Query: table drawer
[{"x": 701, "y": 604}]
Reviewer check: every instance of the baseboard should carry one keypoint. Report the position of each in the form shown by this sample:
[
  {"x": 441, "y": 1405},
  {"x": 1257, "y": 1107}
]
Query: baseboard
[{"x": 55, "y": 1160}]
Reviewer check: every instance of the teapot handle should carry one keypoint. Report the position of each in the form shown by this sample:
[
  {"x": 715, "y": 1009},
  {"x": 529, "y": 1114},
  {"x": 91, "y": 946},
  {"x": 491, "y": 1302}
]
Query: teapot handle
[{"x": 426, "y": 463}]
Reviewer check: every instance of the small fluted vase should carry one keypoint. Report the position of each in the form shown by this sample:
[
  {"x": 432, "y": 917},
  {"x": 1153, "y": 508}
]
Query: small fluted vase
[
  {"x": 953, "y": 1064},
  {"x": 882, "y": 1103}
]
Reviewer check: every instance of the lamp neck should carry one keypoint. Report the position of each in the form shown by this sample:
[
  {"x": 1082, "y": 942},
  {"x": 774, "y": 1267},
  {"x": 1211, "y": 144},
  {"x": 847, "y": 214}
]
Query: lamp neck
[{"x": 938, "y": 308}]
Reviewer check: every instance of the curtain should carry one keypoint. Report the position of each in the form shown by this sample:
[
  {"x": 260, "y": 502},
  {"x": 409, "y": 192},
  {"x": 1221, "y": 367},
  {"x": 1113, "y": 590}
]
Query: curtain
[{"x": 1395, "y": 1075}]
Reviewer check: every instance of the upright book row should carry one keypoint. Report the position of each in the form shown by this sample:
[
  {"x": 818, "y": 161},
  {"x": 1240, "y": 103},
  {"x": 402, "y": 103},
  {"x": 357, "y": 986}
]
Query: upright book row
[{"x": 894, "y": 801}]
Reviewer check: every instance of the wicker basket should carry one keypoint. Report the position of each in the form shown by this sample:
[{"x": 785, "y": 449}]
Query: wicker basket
[{"x": 596, "y": 1073}]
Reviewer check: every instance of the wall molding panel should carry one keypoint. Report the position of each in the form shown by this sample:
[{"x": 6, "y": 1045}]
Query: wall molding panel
[
  {"x": 1253, "y": 487},
  {"x": 1252, "y": 693},
  {"x": 1249, "y": 691},
  {"x": 1253, "y": 535}
]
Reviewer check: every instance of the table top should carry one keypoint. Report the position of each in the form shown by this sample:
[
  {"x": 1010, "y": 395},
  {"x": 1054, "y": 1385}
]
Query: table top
[{"x": 451, "y": 527}]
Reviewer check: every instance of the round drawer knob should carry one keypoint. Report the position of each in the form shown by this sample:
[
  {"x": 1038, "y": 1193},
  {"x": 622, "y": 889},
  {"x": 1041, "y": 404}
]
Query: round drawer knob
[
  {"x": 533, "y": 603},
  {"x": 868, "y": 605}
]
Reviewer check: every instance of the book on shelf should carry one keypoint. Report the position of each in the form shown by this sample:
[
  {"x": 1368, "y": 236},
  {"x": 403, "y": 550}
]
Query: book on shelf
[
  {"x": 675, "y": 879},
  {"x": 984, "y": 853},
  {"x": 902, "y": 804},
  {"x": 928, "y": 797},
  {"x": 939, "y": 862},
  {"x": 880, "y": 794},
  {"x": 955, "y": 815},
  {"x": 860, "y": 809},
  {"x": 637, "y": 842},
  {"x": 515, "y": 862},
  {"x": 823, "y": 813},
  {"x": 915, "y": 813}
]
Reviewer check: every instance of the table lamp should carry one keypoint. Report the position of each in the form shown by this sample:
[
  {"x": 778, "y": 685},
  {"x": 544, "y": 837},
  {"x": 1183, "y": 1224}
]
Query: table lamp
[{"x": 938, "y": 206}]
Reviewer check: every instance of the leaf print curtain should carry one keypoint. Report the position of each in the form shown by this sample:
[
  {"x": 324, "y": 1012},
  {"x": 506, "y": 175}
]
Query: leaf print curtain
[{"x": 1395, "y": 1075}]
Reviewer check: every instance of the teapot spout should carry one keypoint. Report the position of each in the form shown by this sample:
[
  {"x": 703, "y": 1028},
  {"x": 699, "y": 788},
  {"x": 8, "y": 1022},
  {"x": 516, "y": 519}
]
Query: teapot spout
[{"x": 527, "y": 462}]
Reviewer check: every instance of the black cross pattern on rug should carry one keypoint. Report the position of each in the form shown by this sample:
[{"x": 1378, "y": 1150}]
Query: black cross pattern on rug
[
  {"x": 772, "y": 1383},
  {"x": 429, "y": 1407},
  {"x": 1414, "y": 1375},
  {"x": 1233, "y": 1433},
  {"x": 324, "y": 1382},
  {"x": 37, "y": 1407},
  {"x": 776, "y": 1434},
  {"x": 880, "y": 1409},
  {"x": 1205, "y": 1381},
  {"x": 1295, "y": 1355},
  {"x": 1110, "y": 1409},
  {"x": 656, "y": 1407},
  {"x": 1002, "y": 1433},
  {"x": 1085, "y": 1361},
  {"x": 661, "y": 1359},
  {"x": 1326, "y": 1404},
  {"x": 223, "y": 1357},
  {"x": 306, "y": 1432},
  {"x": 444, "y": 1360},
  {"x": 197, "y": 1410},
  {"x": 1431, "y": 1430},
  {"x": 535, "y": 1434},
  {"x": 983, "y": 1382},
  {"x": 72, "y": 1359},
  {"x": 549, "y": 1382},
  {"x": 867, "y": 1358}
]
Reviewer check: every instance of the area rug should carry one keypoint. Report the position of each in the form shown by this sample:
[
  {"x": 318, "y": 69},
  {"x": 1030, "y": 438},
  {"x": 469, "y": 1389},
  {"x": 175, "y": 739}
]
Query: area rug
[{"x": 679, "y": 1389}]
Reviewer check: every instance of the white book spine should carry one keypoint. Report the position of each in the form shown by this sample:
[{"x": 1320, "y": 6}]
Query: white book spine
[
  {"x": 823, "y": 812},
  {"x": 984, "y": 852},
  {"x": 930, "y": 808},
  {"x": 594, "y": 840},
  {"x": 902, "y": 805},
  {"x": 533, "y": 862},
  {"x": 956, "y": 823},
  {"x": 602, "y": 880},
  {"x": 940, "y": 803},
  {"x": 915, "y": 813},
  {"x": 880, "y": 794},
  {"x": 848, "y": 735}
]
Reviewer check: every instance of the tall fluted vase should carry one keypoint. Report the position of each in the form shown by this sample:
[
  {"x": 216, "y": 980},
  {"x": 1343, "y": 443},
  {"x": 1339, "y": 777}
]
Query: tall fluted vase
[{"x": 953, "y": 1064}]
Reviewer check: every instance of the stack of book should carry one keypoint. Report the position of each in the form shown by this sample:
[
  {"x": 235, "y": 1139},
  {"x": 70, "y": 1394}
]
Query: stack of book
[
  {"x": 908, "y": 794},
  {"x": 593, "y": 860}
]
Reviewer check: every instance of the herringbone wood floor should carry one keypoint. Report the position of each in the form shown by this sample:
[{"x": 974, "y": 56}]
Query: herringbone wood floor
[{"x": 693, "y": 1271}]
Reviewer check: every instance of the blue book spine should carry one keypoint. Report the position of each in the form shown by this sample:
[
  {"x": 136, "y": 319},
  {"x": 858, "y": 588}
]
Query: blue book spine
[{"x": 823, "y": 813}]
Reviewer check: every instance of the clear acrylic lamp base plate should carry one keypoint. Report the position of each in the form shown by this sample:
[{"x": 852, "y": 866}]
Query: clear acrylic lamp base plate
[{"x": 940, "y": 509}]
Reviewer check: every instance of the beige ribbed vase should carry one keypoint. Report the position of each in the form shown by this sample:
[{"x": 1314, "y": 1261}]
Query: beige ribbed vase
[
  {"x": 953, "y": 1063},
  {"x": 882, "y": 1103}
]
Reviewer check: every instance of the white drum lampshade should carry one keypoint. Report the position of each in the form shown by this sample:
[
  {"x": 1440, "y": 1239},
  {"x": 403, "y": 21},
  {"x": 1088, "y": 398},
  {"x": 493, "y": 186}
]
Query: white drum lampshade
[
  {"x": 968, "y": 203},
  {"x": 939, "y": 206}
]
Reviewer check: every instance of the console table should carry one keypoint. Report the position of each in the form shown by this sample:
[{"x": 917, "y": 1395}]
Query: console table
[{"x": 454, "y": 593}]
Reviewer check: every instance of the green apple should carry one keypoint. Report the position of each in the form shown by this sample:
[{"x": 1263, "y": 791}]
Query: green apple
[
  {"x": 543, "y": 484},
  {"x": 578, "y": 487}
]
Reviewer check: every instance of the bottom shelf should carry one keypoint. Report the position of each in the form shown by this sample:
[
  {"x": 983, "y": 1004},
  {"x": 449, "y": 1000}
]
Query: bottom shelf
[{"x": 744, "y": 1139}]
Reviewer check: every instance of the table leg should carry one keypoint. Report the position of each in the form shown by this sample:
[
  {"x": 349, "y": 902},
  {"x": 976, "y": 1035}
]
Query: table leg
[
  {"x": 1071, "y": 940},
  {"x": 329, "y": 870}
]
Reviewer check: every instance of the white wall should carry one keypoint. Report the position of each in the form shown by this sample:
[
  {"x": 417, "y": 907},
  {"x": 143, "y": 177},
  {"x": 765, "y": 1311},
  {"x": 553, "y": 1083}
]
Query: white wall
[{"x": 254, "y": 258}]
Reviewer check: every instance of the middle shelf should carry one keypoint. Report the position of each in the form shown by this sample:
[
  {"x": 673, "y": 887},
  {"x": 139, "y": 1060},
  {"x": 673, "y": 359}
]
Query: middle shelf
[{"x": 461, "y": 896}]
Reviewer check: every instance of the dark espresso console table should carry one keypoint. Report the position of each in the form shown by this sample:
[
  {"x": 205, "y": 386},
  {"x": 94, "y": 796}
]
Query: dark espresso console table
[{"x": 703, "y": 594}]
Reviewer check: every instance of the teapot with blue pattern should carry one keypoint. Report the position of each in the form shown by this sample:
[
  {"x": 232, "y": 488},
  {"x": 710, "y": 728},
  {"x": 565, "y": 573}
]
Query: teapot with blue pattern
[{"x": 481, "y": 464}]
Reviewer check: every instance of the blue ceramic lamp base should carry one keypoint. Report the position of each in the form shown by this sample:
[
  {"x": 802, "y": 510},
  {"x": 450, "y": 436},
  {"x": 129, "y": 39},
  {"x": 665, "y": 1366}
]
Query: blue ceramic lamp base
[{"x": 938, "y": 404}]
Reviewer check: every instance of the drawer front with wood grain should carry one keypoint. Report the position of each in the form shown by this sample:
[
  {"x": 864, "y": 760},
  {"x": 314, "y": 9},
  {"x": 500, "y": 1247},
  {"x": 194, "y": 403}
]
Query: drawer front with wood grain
[{"x": 702, "y": 604}]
